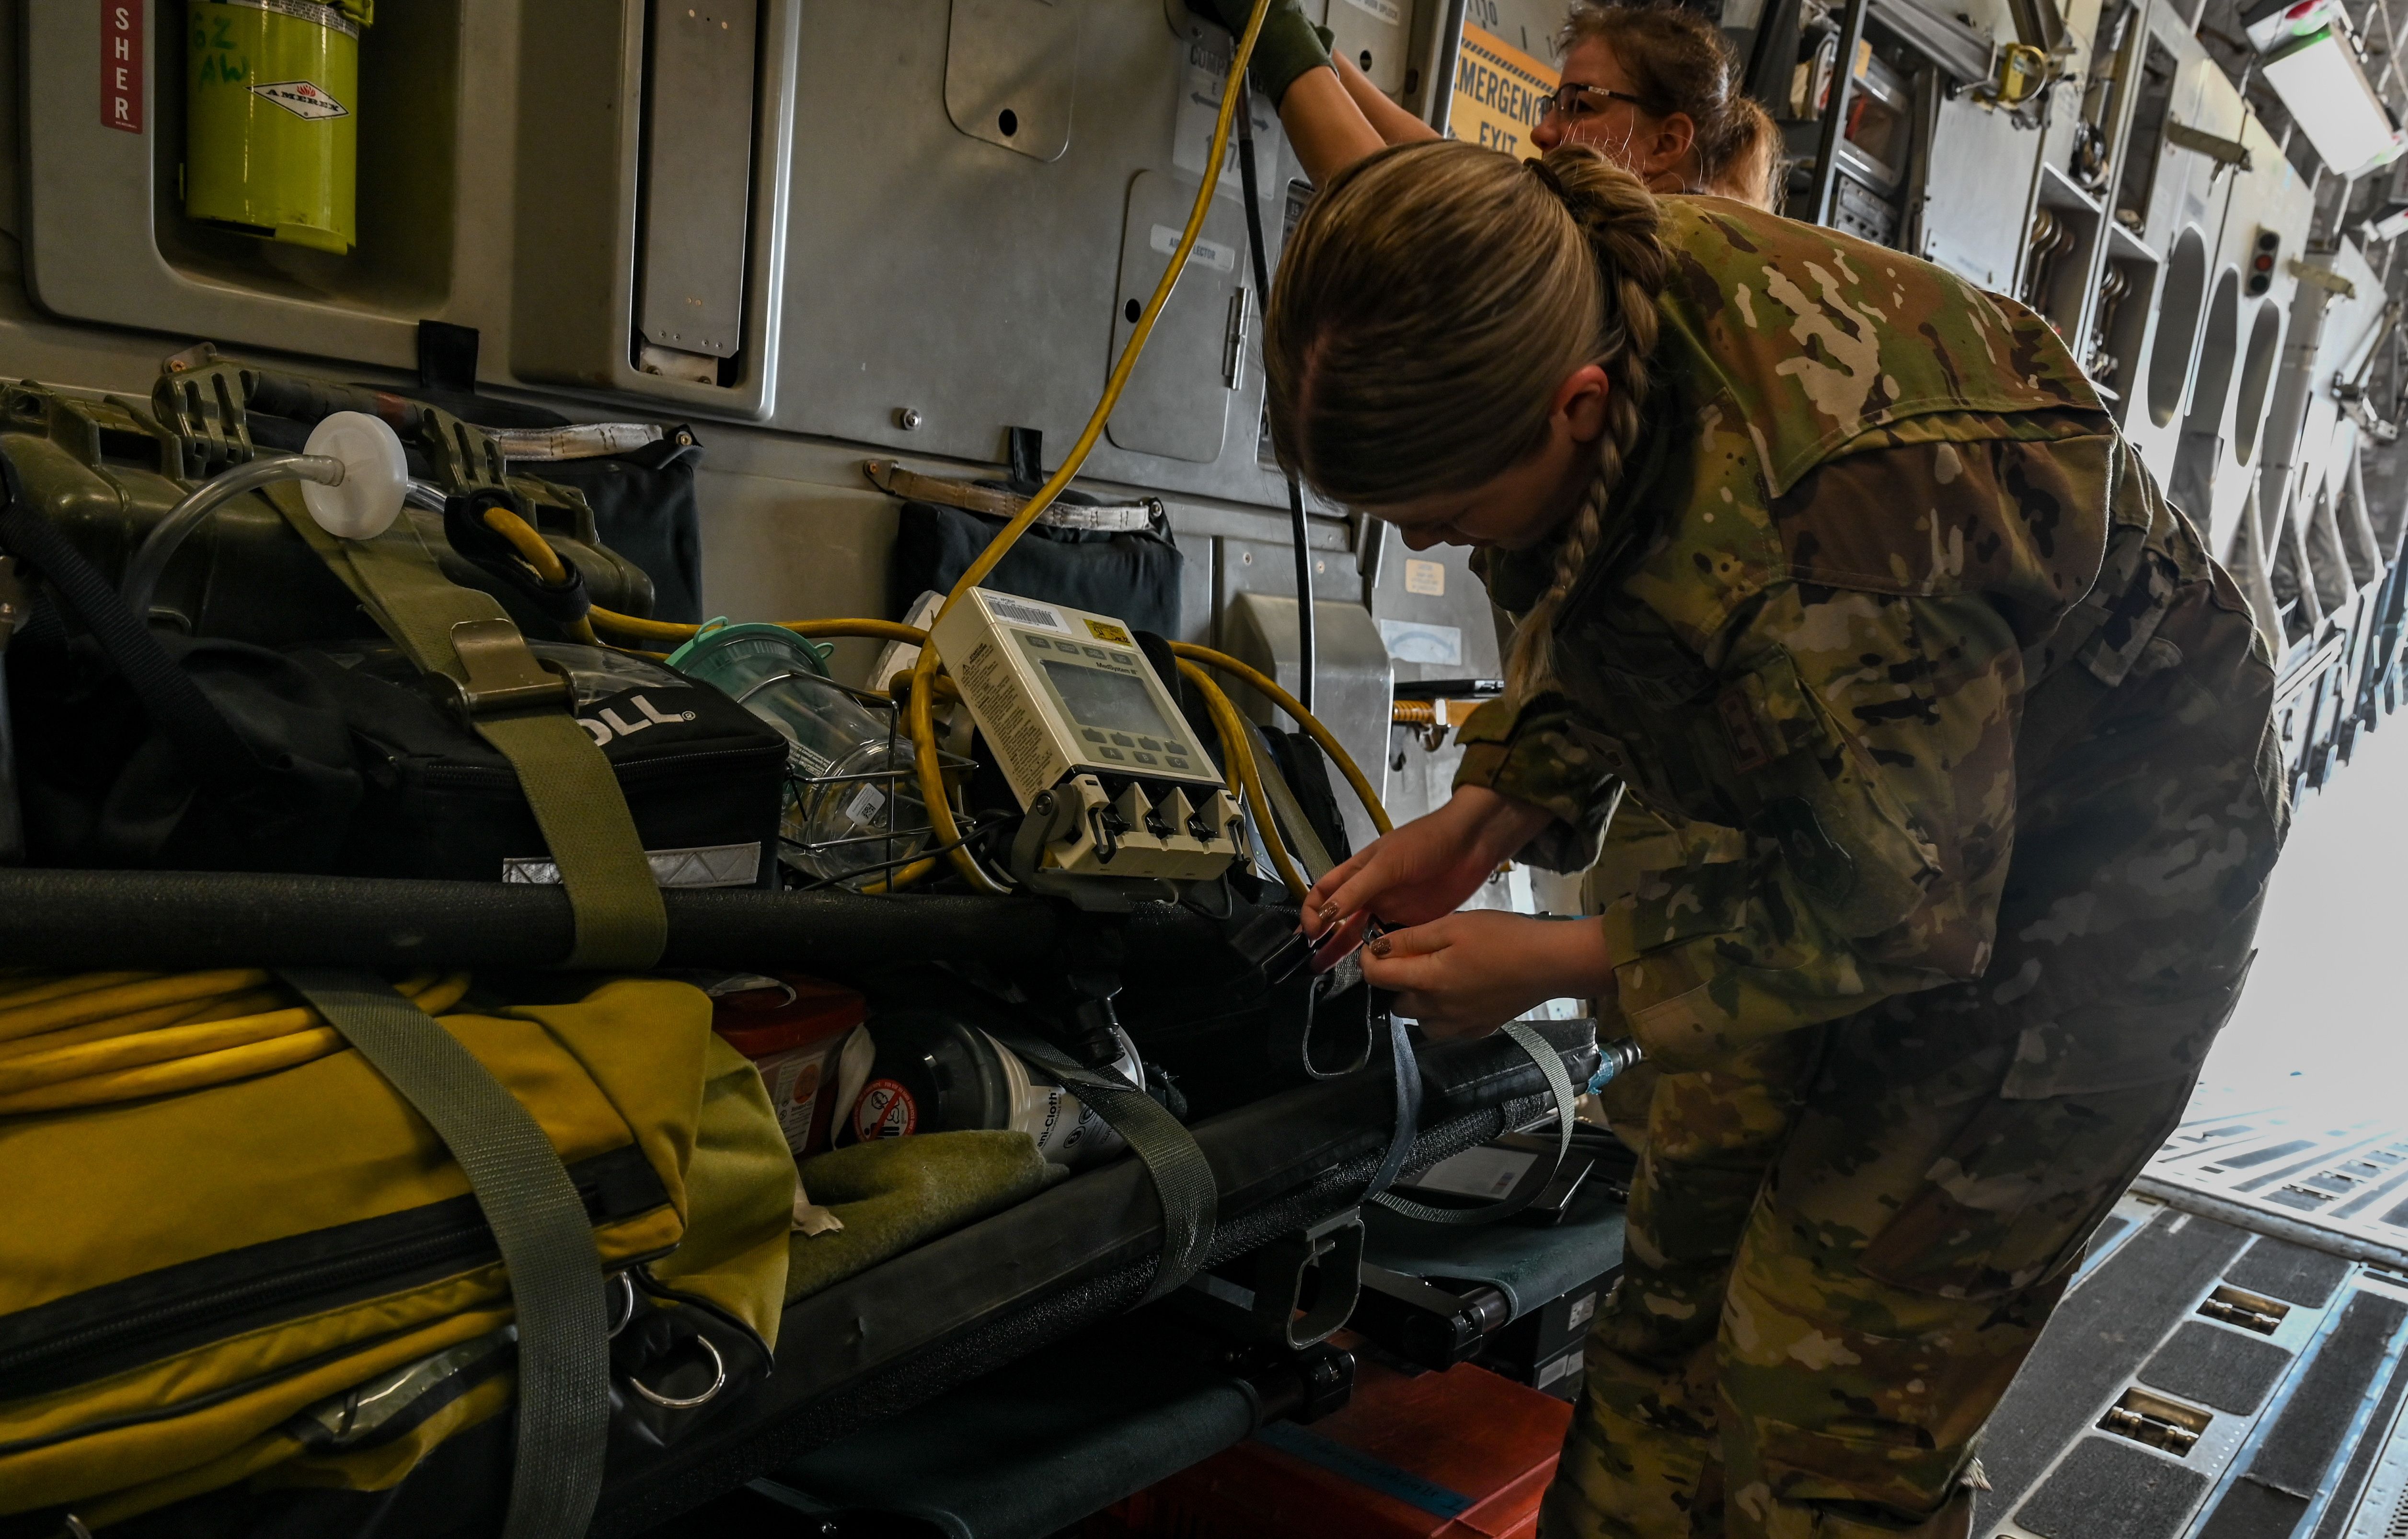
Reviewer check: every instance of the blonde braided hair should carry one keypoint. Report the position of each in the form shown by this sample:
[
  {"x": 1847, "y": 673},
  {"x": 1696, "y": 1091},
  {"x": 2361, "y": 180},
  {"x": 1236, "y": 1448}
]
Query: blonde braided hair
[
  {"x": 1617, "y": 217},
  {"x": 1426, "y": 308}
]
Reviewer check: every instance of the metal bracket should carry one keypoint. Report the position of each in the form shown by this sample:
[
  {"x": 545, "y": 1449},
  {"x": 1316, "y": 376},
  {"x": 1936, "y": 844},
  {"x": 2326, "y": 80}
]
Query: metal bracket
[
  {"x": 1112, "y": 519},
  {"x": 1425, "y": 1324},
  {"x": 2216, "y": 147},
  {"x": 2322, "y": 277},
  {"x": 204, "y": 401},
  {"x": 1325, "y": 1258},
  {"x": 501, "y": 674}
]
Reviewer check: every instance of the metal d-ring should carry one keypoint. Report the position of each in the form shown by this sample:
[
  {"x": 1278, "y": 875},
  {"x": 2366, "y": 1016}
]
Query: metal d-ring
[
  {"x": 718, "y": 1382},
  {"x": 629, "y": 1318}
]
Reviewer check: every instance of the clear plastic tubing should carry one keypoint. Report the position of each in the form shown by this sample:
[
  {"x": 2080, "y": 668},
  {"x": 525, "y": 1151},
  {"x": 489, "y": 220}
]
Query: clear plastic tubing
[{"x": 168, "y": 534}]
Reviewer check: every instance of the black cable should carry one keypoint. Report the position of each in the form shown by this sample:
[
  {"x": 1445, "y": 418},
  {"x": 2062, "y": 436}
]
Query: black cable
[{"x": 1306, "y": 659}]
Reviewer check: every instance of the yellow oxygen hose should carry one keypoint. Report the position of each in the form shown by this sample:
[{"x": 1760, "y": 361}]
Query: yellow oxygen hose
[
  {"x": 1243, "y": 775},
  {"x": 96, "y": 1038},
  {"x": 1271, "y": 690}
]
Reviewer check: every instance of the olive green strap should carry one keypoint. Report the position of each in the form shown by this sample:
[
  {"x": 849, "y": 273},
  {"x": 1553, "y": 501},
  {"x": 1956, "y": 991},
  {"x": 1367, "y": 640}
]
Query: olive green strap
[
  {"x": 539, "y": 1227},
  {"x": 461, "y": 635}
]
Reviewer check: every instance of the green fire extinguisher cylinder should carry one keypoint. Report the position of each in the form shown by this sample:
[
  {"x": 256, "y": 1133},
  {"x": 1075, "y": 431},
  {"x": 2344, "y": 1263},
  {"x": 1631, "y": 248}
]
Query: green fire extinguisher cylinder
[{"x": 272, "y": 91}]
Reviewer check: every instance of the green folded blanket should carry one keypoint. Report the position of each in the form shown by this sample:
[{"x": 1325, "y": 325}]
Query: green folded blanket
[{"x": 893, "y": 1193}]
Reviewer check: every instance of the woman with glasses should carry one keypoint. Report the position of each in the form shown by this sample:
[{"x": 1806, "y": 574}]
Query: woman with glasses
[
  {"x": 1654, "y": 86},
  {"x": 1959, "y": 745}
]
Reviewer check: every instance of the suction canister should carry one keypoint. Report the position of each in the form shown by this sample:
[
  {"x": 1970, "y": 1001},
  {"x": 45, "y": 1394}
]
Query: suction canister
[
  {"x": 853, "y": 806},
  {"x": 917, "y": 1069},
  {"x": 271, "y": 131}
]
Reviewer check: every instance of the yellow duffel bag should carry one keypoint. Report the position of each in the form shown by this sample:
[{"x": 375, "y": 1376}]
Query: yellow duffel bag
[{"x": 285, "y": 1278}]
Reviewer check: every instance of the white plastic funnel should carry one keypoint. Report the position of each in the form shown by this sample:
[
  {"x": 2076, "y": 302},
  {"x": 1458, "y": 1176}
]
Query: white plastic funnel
[{"x": 376, "y": 474}]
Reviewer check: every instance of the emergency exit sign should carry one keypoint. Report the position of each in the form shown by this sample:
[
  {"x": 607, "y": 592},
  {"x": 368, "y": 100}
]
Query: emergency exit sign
[
  {"x": 1499, "y": 94},
  {"x": 121, "y": 65}
]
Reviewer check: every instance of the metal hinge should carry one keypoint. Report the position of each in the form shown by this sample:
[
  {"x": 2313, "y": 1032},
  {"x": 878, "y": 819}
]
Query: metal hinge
[{"x": 1233, "y": 341}]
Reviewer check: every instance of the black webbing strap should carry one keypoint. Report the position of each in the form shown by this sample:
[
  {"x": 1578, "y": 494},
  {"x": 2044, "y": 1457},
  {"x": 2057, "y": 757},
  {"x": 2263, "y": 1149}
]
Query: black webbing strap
[
  {"x": 1292, "y": 953},
  {"x": 208, "y": 747},
  {"x": 1534, "y": 1180},
  {"x": 1182, "y": 1181},
  {"x": 540, "y": 1226}
]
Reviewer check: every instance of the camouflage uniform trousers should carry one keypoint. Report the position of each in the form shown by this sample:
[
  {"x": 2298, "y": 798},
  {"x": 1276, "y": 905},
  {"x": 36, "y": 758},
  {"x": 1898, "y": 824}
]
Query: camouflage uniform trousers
[{"x": 1844, "y": 1240}]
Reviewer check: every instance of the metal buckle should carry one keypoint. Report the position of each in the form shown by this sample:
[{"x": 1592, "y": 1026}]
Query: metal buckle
[{"x": 502, "y": 674}]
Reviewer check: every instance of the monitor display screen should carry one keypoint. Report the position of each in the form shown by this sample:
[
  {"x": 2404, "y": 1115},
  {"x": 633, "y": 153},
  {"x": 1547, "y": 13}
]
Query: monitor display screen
[{"x": 1112, "y": 701}]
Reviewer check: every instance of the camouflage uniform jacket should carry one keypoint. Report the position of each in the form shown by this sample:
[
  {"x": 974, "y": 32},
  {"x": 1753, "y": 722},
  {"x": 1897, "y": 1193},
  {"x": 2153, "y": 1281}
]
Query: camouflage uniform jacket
[{"x": 1873, "y": 507}]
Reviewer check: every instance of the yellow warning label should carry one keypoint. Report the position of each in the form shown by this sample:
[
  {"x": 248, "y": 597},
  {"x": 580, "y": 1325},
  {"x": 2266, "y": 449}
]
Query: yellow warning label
[
  {"x": 1104, "y": 630},
  {"x": 1499, "y": 93}
]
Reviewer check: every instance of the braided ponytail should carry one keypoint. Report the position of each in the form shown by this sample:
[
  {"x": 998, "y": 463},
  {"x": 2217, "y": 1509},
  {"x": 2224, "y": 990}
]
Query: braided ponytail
[{"x": 1617, "y": 217}]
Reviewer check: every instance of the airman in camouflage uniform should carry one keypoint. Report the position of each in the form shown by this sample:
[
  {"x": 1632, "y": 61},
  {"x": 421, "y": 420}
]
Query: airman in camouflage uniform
[{"x": 1960, "y": 794}]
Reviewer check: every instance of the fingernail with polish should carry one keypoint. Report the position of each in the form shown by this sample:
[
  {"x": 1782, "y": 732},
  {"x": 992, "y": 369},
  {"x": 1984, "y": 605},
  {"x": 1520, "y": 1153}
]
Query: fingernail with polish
[
  {"x": 1379, "y": 945},
  {"x": 1329, "y": 913}
]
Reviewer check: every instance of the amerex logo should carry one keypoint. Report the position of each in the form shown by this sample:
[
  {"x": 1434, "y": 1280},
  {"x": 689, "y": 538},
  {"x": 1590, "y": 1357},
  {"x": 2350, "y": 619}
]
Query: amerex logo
[{"x": 302, "y": 99}]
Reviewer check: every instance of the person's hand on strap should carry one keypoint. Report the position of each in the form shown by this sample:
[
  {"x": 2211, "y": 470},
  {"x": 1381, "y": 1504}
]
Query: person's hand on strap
[
  {"x": 1467, "y": 973},
  {"x": 1290, "y": 46},
  {"x": 1422, "y": 872}
]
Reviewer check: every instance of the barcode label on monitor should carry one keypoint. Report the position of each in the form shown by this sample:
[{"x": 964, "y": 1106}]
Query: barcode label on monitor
[{"x": 1023, "y": 612}]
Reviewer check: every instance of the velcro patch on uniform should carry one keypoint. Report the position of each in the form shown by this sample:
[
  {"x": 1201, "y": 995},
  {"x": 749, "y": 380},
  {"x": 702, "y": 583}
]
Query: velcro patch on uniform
[
  {"x": 1749, "y": 749},
  {"x": 1608, "y": 749}
]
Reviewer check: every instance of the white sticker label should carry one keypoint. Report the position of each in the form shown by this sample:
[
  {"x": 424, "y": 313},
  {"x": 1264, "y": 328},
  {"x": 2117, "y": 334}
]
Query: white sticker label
[
  {"x": 1409, "y": 641},
  {"x": 1481, "y": 1171},
  {"x": 865, "y": 805},
  {"x": 1583, "y": 1309},
  {"x": 302, "y": 99},
  {"x": 1387, "y": 10},
  {"x": 1212, "y": 253},
  {"x": 1044, "y": 616},
  {"x": 1425, "y": 577},
  {"x": 1563, "y": 1367}
]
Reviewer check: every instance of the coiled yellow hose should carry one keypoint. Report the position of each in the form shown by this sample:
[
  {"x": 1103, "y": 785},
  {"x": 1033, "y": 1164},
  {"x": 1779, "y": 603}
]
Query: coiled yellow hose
[{"x": 101, "y": 1037}]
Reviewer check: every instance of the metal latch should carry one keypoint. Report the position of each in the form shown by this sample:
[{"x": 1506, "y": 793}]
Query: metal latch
[{"x": 501, "y": 674}]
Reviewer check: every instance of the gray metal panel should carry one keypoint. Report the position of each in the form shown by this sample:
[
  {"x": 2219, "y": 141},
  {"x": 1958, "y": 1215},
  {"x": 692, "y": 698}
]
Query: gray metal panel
[
  {"x": 1012, "y": 73},
  {"x": 1177, "y": 402},
  {"x": 697, "y": 175},
  {"x": 1379, "y": 28},
  {"x": 573, "y": 298},
  {"x": 1978, "y": 200},
  {"x": 1353, "y": 684},
  {"x": 97, "y": 197},
  {"x": 934, "y": 271}
]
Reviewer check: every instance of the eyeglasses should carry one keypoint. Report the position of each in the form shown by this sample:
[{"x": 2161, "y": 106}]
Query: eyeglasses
[{"x": 1573, "y": 101}]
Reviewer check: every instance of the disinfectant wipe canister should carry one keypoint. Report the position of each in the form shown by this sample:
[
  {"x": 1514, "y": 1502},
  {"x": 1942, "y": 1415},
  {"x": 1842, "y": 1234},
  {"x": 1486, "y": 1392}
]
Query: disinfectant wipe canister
[
  {"x": 793, "y": 1028},
  {"x": 916, "y": 1070},
  {"x": 271, "y": 125}
]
